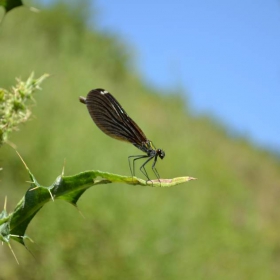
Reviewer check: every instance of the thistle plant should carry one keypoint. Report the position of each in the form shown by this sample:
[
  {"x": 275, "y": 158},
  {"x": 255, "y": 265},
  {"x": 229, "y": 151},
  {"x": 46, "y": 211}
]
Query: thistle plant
[{"x": 15, "y": 104}]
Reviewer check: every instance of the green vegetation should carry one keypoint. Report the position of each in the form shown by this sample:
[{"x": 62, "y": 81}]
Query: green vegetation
[
  {"x": 13, "y": 107},
  {"x": 68, "y": 188},
  {"x": 223, "y": 226}
]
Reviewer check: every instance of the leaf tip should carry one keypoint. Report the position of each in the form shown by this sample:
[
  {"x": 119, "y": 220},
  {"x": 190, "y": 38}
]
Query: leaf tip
[{"x": 191, "y": 178}]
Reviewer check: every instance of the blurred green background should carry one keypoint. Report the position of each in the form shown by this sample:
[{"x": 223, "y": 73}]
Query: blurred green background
[{"x": 225, "y": 225}]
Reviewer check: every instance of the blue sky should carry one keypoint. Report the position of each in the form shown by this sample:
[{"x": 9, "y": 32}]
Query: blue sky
[{"x": 225, "y": 54}]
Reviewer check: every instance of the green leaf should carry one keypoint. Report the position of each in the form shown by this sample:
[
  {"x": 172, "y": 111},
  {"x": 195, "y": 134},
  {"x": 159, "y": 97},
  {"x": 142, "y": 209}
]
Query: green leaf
[{"x": 68, "y": 188}]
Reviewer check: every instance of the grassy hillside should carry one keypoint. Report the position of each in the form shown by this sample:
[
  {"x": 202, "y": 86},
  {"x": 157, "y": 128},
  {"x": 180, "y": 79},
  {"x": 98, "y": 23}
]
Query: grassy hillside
[{"x": 225, "y": 225}]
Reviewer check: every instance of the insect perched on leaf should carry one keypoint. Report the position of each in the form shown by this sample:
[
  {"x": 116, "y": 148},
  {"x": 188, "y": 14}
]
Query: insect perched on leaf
[{"x": 112, "y": 119}]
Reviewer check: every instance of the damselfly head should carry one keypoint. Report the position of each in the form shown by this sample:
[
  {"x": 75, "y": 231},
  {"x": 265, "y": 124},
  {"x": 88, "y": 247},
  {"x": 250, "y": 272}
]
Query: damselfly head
[{"x": 161, "y": 153}]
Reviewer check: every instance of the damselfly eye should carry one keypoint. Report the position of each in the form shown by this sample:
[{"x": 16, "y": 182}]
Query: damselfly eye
[{"x": 161, "y": 153}]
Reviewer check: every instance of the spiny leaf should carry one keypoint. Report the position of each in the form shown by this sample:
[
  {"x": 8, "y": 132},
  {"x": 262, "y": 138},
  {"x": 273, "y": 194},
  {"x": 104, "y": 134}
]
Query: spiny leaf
[{"x": 68, "y": 188}]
